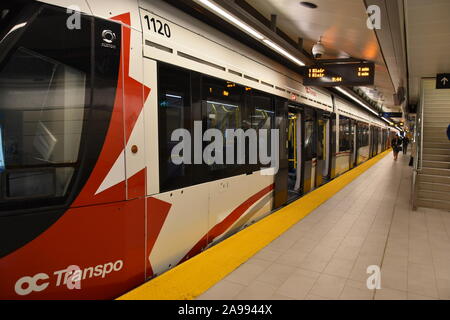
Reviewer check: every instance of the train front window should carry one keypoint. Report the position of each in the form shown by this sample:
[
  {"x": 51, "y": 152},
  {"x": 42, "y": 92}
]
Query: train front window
[
  {"x": 41, "y": 119},
  {"x": 43, "y": 94},
  {"x": 7, "y": 12}
]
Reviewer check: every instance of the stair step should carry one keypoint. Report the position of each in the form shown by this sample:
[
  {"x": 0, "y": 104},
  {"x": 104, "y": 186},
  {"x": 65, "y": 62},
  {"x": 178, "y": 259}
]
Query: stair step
[
  {"x": 438, "y": 120},
  {"x": 434, "y": 195},
  {"x": 436, "y": 164},
  {"x": 436, "y": 145},
  {"x": 433, "y": 113},
  {"x": 436, "y": 157},
  {"x": 436, "y": 151},
  {"x": 435, "y": 140},
  {"x": 435, "y": 137},
  {"x": 433, "y": 179},
  {"x": 439, "y": 187},
  {"x": 434, "y": 130},
  {"x": 435, "y": 204},
  {"x": 436, "y": 110},
  {"x": 441, "y": 123},
  {"x": 436, "y": 172},
  {"x": 436, "y": 105}
]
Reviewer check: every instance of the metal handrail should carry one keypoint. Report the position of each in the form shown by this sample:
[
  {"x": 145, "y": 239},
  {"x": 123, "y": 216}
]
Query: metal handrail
[
  {"x": 418, "y": 140},
  {"x": 422, "y": 111}
]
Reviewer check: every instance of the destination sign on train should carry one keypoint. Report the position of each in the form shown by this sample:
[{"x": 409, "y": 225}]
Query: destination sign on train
[{"x": 331, "y": 75}]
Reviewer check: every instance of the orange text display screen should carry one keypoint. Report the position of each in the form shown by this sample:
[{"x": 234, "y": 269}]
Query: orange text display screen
[{"x": 361, "y": 74}]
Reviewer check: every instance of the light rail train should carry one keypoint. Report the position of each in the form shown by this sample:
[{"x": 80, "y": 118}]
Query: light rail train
[{"x": 87, "y": 108}]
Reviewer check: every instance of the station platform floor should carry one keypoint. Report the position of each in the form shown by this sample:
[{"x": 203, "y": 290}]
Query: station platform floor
[{"x": 326, "y": 254}]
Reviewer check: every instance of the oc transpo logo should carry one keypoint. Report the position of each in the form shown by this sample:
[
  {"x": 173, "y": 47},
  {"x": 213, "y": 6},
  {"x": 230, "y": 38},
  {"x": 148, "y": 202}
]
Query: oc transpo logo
[
  {"x": 109, "y": 38},
  {"x": 27, "y": 285},
  {"x": 71, "y": 277}
]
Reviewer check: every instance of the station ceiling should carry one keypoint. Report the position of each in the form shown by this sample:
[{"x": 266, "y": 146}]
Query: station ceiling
[
  {"x": 428, "y": 34},
  {"x": 342, "y": 25},
  {"x": 413, "y": 41}
]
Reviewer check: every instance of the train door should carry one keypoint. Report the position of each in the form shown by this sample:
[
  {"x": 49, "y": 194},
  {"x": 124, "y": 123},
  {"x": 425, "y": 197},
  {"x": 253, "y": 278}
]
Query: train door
[
  {"x": 295, "y": 118},
  {"x": 323, "y": 169},
  {"x": 309, "y": 149}
]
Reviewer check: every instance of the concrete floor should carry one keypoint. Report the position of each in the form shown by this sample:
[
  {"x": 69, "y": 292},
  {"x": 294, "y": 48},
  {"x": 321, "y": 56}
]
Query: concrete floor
[{"x": 326, "y": 255}]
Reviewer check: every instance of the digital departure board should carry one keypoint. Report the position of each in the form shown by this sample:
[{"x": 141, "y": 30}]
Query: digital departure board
[{"x": 332, "y": 75}]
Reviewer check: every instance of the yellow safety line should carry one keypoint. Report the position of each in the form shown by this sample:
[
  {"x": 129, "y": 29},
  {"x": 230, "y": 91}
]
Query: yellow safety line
[{"x": 195, "y": 276}]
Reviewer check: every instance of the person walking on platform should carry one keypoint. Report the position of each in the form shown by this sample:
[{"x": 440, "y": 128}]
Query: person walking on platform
[
  {"x": 396, "y": 146},
  {"x": 405, "y": 144}
]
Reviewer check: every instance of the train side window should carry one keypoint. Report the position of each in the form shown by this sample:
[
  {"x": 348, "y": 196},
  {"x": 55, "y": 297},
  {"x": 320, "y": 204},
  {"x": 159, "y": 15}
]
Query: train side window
[
  {"x": 333, "y": 134},
  {"x": 309, "y": 139},
  {"x": 344, "y": 135},
  {"x": 224, "y": 104},
  {"x": 263, "y": 117},
  {"x": 360, "y": 130},
  {"x": 365, "y": 135},
  {"x": 174, "y": 101}
]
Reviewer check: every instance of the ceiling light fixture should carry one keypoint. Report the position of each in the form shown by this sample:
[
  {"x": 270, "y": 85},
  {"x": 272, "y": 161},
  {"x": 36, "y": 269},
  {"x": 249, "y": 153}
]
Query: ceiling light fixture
[
  {"x": 356, "y": 100},
  {"x": 232, "y": 19},
  {"x": 390, "y": 122},
  {"x": 227, "y": 16},
  {"x": 283, "y": 52},
  {"x": 309, "y": 5},
  {"x": 235, "y": 21}
]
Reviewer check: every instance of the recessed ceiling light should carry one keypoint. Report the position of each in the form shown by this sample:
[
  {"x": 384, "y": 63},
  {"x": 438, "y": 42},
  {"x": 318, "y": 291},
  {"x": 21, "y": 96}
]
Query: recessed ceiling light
[{"x": 309, "y": 4}]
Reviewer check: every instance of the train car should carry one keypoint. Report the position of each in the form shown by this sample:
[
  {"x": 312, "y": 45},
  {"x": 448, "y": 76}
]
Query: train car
[{"x": 92, "y": 203}]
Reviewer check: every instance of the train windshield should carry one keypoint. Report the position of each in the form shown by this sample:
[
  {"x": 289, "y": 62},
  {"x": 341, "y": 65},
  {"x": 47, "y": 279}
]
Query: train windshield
[{"x": 43, "y": 90}]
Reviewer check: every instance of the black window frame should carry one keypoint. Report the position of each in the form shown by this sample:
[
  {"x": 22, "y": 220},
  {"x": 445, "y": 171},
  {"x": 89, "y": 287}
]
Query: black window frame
[
  {"x": 101, "y": 67},
  {"x": 200, "y": 173},
  {"x": 309, "y": 151},
  {"x": 345, "y": 134},
  {"x": 166, "y": 183},
  {"x": 26, "y": 37}
]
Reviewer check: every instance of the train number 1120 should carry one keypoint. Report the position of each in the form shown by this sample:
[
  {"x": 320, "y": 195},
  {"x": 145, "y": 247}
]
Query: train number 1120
[{"x": 158, "y": 26}]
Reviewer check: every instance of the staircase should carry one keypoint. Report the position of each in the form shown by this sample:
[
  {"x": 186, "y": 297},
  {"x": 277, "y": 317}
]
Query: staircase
[{"x": 433, "y": 185}]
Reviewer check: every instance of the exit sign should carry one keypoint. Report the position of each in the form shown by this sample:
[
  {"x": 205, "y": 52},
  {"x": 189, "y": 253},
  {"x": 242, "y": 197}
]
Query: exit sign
[{"x": 340, "y": 74}]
